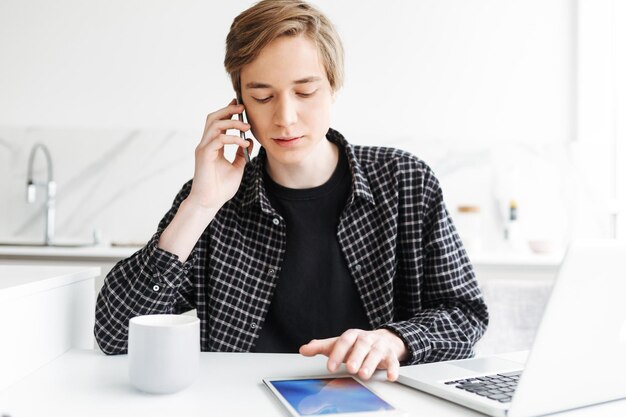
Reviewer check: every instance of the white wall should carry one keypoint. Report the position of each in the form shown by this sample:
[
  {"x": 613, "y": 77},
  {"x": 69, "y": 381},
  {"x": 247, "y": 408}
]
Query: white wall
[
  {"x": 452, "y": 69},
  {"x": 483, "y": 90},
  {"x": 619, "y": 31}
]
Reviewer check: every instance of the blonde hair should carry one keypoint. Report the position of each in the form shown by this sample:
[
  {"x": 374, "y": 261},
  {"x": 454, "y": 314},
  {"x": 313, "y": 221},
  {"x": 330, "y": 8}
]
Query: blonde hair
[{"x": 267, "y": 20}]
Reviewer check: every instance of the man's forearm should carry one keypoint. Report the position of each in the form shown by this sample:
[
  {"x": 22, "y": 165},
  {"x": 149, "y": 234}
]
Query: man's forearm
[{"x": 182, "y": 234}]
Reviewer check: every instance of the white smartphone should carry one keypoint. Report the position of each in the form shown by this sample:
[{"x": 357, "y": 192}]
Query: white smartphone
[{"x": 341, "y": 395}]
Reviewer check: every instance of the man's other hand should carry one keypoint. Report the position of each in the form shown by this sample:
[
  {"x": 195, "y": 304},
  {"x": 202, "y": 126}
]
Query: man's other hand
[{"x": 362, "y": 351}]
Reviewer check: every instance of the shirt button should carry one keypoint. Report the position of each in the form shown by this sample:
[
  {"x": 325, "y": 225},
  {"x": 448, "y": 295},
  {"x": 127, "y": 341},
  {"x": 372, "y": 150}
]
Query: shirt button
[
  {"x": 276, "y": 222},
  {"x": 156, "y": 288},
  {"x": 253, "y": 325},
  {"x": 271, "y": 271},
  {"x": 357, "y": 267}
]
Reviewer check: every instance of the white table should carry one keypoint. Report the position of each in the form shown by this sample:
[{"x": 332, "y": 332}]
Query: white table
[{"x": 88, "y": 383}]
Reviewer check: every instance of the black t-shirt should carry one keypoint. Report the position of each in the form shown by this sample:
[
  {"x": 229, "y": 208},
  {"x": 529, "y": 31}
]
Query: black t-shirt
[{"x": 315, "y": 297}]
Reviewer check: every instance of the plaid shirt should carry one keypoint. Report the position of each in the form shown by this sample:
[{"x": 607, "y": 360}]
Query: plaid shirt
[{"x": 400, "y": 245}]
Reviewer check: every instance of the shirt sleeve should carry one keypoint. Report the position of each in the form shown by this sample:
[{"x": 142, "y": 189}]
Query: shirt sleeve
[
  {"x": 451, "y": 315},
  {"x": 152, "y": 281}
]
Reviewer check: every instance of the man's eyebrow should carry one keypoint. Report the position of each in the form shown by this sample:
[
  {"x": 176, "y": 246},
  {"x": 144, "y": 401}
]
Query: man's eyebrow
[
  {"x": 300, "y": 81},
  {"x": 307, "y": 80}
]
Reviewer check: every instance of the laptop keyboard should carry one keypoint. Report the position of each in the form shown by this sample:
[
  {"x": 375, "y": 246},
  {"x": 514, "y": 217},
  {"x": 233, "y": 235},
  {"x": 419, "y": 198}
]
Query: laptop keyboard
[{"x": 499, "y": 387}]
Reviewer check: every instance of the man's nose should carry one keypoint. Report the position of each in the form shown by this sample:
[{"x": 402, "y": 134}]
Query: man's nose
[{"x": 286, "y": 113}]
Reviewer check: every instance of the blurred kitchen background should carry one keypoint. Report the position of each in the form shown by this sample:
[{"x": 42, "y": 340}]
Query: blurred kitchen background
[{"x": 519, "y": 106}]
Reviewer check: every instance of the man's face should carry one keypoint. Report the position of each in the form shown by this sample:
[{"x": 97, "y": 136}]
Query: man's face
[{"x": 287, "y": 95}]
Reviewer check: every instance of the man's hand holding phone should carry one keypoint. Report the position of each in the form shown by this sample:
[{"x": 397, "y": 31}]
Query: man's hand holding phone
[{"x": 215, "y": 179}]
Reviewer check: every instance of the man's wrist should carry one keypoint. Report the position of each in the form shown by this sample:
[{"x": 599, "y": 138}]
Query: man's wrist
[
  {"x": 190, "y": 204},
  {"x": 183, "y": 232}
]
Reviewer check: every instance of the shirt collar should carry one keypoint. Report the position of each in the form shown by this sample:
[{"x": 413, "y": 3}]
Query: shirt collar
[{"x": 254, "y": 190}]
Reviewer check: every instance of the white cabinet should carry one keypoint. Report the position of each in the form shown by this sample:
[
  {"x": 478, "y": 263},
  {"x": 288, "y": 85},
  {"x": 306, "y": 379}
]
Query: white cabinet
[
  {"x": 103, "y": 257},
  {"x": 44, "y": 311},
  {"x": 516, "y": 287}
]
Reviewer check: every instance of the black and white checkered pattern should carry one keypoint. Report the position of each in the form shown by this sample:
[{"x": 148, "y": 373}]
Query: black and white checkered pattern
[{"x": 395, "y": 233}]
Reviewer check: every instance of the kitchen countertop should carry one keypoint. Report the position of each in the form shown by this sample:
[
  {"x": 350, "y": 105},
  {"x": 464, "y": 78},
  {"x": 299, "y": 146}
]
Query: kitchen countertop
[
  {"x": 106, "y": 252},
  {"x": 96, "y": 252},
  {"x": 508, "y": 258}
]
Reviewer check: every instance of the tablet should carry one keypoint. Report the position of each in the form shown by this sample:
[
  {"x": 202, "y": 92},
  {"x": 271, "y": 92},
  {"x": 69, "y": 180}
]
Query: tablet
[{"x": 343, "y": 396}]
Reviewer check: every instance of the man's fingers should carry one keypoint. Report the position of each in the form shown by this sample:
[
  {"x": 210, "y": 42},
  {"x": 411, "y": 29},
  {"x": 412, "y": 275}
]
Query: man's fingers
[
  {"x": 393, "y": 368},
  {"x": 363, "y": 351},
  {"x": 220, "y": 127},
  {"x": 225, "y": 112},
  {"x": 223, "y": 125},
  {"x": 360, "y": 351},
  {"x": 342, "y": 348},
  {"x": 222, "y": 140},
  {"x": 376, "y": 356},
  {"x": 392, "y": 364},
  {"x": 317, "y": 347},
  {"x": 240, "y": 157}
]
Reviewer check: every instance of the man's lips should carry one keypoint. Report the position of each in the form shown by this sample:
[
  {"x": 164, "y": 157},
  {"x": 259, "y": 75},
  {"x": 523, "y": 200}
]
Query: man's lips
[
  {"x": 287, "y": 138},
  {"x": 287, "y": 142}
]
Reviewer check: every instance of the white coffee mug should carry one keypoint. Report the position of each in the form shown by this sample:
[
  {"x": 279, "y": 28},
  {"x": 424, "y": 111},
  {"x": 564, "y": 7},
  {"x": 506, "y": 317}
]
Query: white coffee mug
[{"x": 163, "y": 352}]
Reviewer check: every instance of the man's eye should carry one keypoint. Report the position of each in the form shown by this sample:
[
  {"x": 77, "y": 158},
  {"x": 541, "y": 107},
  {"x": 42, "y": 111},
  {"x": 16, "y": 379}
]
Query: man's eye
[
  {"x": 262, "y": 100},
  {"x": 307, "y": 94}
]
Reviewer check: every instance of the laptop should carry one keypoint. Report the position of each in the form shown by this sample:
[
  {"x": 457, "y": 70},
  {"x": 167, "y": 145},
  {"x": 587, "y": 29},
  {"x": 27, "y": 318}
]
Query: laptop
[{"x": 578, "y": 356}]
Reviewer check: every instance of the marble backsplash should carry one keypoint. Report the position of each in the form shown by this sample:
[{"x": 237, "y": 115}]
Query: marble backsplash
[
  {"x": 122, "y": 182},
  {"x": 118, "y": 182}
]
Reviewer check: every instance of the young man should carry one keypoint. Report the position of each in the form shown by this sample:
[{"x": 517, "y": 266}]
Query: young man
[{"x": 316, "y": 246}]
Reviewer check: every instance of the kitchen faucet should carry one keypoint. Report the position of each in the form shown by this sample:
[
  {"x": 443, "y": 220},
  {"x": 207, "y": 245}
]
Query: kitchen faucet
[{"x": 49, "y": 185}]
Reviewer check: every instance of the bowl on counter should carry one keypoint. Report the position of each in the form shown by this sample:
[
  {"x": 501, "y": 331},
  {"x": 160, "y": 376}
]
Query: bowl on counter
[{"x": 543, "y": 246}]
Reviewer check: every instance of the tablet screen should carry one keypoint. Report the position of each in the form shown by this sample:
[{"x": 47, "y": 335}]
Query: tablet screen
[{"x": 311, "y": 397}]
